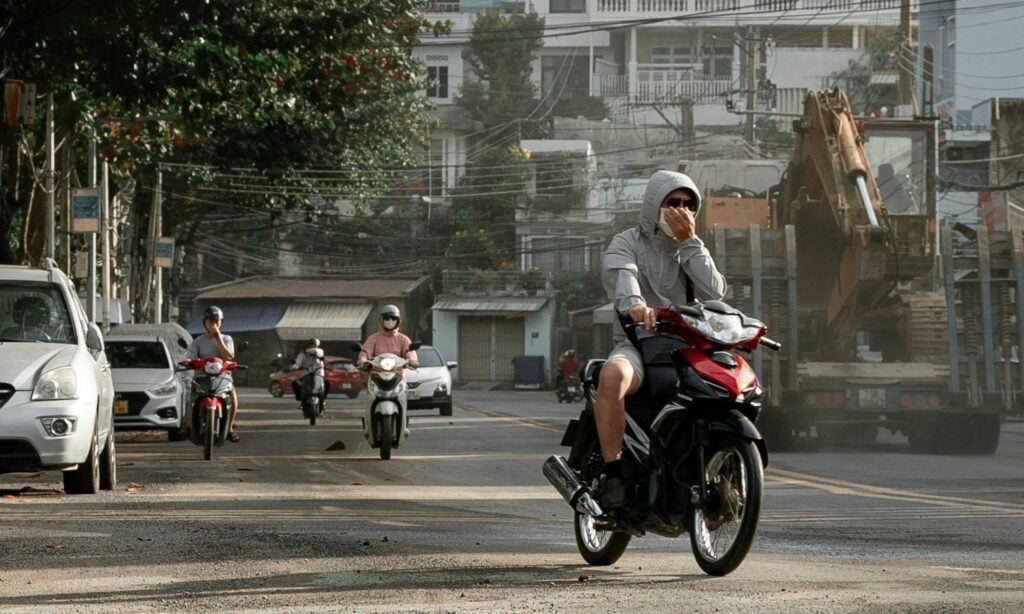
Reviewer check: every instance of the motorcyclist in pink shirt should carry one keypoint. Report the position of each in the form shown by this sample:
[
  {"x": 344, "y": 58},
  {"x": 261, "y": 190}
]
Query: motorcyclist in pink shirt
[{"x": 388, "y": 340}]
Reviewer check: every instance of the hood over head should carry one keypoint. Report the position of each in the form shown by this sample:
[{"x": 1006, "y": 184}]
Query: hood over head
[{"x": 660, "y": 185}]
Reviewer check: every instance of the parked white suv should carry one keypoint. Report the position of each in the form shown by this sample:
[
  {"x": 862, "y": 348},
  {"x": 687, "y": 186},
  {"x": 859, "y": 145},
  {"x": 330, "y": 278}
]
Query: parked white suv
[
  {"x": 56, "y": 394},
  {"x": 431, "y": 384}
]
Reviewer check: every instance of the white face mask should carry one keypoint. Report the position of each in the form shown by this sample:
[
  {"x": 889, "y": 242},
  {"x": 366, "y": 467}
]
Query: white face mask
[
  {"x": 663, "y": 225},
  {"x": 390, "y": 324}
]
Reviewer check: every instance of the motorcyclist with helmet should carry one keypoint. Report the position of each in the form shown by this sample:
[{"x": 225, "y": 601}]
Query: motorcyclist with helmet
[
  {"x": 215, "y": 343},
  {"x": 311, "y": 360},
  {"x": 388, "y": 339},
  {"x": 568, "y": 365}
]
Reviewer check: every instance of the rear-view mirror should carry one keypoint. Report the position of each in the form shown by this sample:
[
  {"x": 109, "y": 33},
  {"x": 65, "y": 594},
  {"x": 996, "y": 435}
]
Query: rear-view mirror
[
  {"x": 451, "y": 364},
  {"x": 415, "y": 345}
]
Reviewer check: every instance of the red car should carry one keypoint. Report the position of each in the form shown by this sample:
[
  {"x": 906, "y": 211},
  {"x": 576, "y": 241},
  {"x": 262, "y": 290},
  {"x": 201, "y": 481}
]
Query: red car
[{"x": 341, "y": 375}]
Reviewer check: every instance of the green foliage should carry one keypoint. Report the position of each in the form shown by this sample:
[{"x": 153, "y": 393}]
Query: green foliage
[
  {"x": 882, "y": 55},
  {"x": 483, "y": 210},
  {"x": 272, "y": 85},
  {"x": 500, "y": 53},
  {"x": 580, "y": 289},
  {"x": 591, "y": 107}
]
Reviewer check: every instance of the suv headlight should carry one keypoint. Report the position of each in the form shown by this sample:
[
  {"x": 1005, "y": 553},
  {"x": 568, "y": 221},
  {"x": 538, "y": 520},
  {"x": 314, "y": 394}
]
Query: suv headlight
[
  {"x": 59, "y": 384},
  {"x": 163, "y": 390}
]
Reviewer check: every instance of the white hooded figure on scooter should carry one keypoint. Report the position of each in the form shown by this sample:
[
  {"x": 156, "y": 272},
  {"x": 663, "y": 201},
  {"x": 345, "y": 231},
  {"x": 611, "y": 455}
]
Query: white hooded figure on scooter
[
  {"x": 385, "y": 354},
  {"x": 312, "y": 381}
]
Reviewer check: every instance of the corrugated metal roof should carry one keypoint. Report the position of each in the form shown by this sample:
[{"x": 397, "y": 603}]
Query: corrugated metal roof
[
  {"x": 503, "y": 304},
  {"x": 330, "y": 321},
  {"x": 241, "y": 316},
  {"x": 312, "y": 287}
]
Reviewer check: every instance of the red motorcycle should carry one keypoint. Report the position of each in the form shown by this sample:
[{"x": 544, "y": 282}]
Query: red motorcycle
[
  {"x": 693, "y": 461},
  {"x": 210, "y": 401}
]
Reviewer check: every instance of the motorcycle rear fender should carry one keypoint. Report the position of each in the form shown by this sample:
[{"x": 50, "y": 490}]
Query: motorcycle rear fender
[{"x": 738, "y": 424}]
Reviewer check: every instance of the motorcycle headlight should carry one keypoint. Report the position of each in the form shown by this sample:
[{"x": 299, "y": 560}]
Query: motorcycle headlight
[
  {"x": 59, "y": 384},
  {"x": 163, "y": 390},
  {"x": 213, "y": 368},
  {"x": 388, "y": 364},
  {"x": 723, "y": 328}
]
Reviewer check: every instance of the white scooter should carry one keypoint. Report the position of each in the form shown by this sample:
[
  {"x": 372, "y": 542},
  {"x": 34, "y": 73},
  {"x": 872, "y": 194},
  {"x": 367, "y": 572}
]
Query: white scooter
[{"x": 386, "y": 423}]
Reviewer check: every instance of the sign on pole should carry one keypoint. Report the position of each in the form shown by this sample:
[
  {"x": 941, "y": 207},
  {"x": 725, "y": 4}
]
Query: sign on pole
[
  {"x": 85, "y": 210},
  {"x": 163, "y": 252}
]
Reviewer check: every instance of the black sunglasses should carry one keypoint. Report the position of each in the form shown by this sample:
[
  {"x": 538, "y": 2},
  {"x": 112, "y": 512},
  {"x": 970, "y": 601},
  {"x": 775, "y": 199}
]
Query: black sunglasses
[{"x": 676, "y": 202}]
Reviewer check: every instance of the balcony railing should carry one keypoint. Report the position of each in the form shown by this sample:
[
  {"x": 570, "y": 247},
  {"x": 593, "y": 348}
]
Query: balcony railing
[
  {"x": 476, "y": 6},
  {"x": 680, "y": 7},
  {"x": 648, "y": 91}
]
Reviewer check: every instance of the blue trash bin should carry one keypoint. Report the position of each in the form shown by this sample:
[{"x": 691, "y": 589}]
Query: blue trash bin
[{"x": 528, "y": 372}]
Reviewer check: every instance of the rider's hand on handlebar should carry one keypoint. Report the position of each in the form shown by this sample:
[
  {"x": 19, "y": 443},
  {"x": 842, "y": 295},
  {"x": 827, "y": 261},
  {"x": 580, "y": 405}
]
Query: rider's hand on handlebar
[{"x": 642, "y": 314}]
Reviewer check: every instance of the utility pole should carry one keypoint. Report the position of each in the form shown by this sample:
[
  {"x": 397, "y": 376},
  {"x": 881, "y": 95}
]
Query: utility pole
[
  {"x": 906, "y": 65},
  {"x": 51, "y": 171},
  {"x": 105, "y": 230},
  {"x": 90, "y": 302},
  {"x": 751, "y": 68},
  {"x": 158, "y": 197}
]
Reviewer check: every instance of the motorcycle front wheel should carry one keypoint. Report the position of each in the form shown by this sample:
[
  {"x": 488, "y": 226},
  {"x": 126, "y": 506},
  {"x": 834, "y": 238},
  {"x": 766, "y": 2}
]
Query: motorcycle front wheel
[
  {"x": 386, "y": 436},
  {"x": 722, "y": 528},
  {"x": 209, "y": 434}
]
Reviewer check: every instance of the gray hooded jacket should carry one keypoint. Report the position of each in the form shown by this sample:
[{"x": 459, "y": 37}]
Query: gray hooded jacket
[{"x": 643, "y": 265}]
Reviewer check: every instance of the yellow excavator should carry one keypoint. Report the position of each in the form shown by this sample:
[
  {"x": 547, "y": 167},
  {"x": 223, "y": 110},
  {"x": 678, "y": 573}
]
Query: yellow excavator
[{"x": 867, "y": 292}]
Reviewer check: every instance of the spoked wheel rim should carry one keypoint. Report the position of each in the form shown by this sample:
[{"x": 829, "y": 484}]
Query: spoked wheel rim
[
  {"x": 719, "y": 524},
  {"x": 591, "y": 537}
]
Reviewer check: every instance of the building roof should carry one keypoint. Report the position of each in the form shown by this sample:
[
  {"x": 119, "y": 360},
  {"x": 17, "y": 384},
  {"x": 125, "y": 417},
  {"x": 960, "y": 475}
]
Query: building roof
[
  {"x": 311, "y": 287},
  {"x": 505, "y": 304}
]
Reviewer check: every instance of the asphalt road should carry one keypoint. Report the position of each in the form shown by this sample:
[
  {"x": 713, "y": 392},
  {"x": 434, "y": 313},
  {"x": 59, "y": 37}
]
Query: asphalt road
[{"x": 461, "y": 519}]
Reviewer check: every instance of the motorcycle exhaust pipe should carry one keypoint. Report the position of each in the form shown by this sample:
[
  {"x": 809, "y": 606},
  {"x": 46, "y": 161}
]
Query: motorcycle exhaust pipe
[{"x": 564, "y": 479}]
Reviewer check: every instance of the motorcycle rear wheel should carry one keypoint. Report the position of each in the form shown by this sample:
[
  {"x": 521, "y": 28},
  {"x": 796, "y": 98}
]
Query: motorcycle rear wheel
[
  {"x": 386, "y": 436},
  {"x": 598, "y": 547},
  {"x": 722, "y": 531}
]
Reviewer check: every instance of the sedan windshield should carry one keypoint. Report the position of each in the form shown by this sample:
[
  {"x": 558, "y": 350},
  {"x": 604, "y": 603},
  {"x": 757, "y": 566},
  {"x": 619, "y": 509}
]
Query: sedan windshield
[
  {"x": 429, "y": 357},
  {"x": 137, "y": 355},
  {"x": 34, "y": 312}
]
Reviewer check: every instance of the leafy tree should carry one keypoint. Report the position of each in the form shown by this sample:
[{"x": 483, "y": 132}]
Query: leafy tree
[
  {"x": 882, "y": 54},
  {"x": 500, "y": 52},
  {"x": 276, "y": 86},
  {"x": 483, "y": 210}
]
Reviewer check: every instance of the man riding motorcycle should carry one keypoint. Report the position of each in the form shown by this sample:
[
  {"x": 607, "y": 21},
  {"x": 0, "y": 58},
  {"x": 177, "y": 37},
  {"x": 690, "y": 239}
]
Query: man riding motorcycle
[
  {"x": 214, "y": 343},
  {"x": 568, "y": 366}
]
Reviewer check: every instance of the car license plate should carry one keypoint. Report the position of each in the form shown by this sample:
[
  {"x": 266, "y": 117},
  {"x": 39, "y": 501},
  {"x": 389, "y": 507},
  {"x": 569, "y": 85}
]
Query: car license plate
[
  {"x": 871, "y": 398},
  {"x": 413, "y": 395},
  {"x": 121, "y": 407},
  {"x": 346, "y": 385}
]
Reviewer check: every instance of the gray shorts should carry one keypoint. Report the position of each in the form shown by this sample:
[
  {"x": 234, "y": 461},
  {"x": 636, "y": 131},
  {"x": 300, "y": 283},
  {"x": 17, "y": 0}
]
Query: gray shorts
[{"x": 628, "y": 352}]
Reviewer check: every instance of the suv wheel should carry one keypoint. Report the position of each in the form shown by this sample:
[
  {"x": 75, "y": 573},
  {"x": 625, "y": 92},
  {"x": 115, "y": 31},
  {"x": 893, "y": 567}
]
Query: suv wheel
[
  {"x": 446, "y": 409},
  {"x": 108, "y": 463},
  {"x": 85, "y": 480},
  {"x": 276, "y": 390}
]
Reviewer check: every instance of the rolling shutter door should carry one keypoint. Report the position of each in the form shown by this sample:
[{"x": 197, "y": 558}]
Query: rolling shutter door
[{"x": 487, "y": 345}]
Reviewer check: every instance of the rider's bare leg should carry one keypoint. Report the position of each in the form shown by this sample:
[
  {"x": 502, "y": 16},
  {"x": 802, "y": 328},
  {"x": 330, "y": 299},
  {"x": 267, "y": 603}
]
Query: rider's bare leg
[
  {"x": 234, "y": 409},
  {"x": 617, "y": 380}
]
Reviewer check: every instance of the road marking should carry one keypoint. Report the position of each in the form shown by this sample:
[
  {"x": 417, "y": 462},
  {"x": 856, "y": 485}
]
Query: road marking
[{"x": 505, "y": 417}]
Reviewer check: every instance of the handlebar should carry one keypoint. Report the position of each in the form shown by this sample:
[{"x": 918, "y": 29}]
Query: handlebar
[{"x": 771, "y": 344}]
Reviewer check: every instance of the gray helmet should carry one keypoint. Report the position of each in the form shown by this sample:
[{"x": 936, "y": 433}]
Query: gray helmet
[
  {"x": 313, "y": 342},
  {"x": 213, "y": 313},
  {"x": 391, "y": 311}
]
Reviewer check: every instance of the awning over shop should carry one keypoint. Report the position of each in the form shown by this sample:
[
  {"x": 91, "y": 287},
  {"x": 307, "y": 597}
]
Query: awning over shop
[
  {"x": 604, "y": 314},
  {"x": 240, "y": 316},
  {"x": 505, "y": 304},
  {"x": 326, "y": 320}
]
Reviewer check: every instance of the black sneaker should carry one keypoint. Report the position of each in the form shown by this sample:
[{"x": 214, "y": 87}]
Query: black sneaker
[{"x": 613, "y": 493}]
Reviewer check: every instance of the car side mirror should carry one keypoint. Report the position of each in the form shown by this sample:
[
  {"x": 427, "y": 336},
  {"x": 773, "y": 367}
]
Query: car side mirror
[
  {"x": 182, "y": 343},
  {"x": 356, "y": 347},
  {"x": 415, "y": 345},
  {"x": 94, "y": 338},
  {"x": 451, "y": 364},
  {"x": 243, "y": 346}
]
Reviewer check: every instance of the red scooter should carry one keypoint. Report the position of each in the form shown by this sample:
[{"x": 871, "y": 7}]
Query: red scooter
[
  {"x": 210, "y": 402},
  {"x": 693, "y": 461}
]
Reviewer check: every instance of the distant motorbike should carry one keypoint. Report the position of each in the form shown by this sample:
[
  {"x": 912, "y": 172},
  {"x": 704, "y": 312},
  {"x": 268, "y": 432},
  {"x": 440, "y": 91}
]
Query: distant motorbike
[
  {"x": 569, "y": 389},
  {"x": 210, "y": 401},
  {"x": 386, "y": 422},
  {"x": 311, "y": 386},
  {"x": 692, "y": 459}
]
